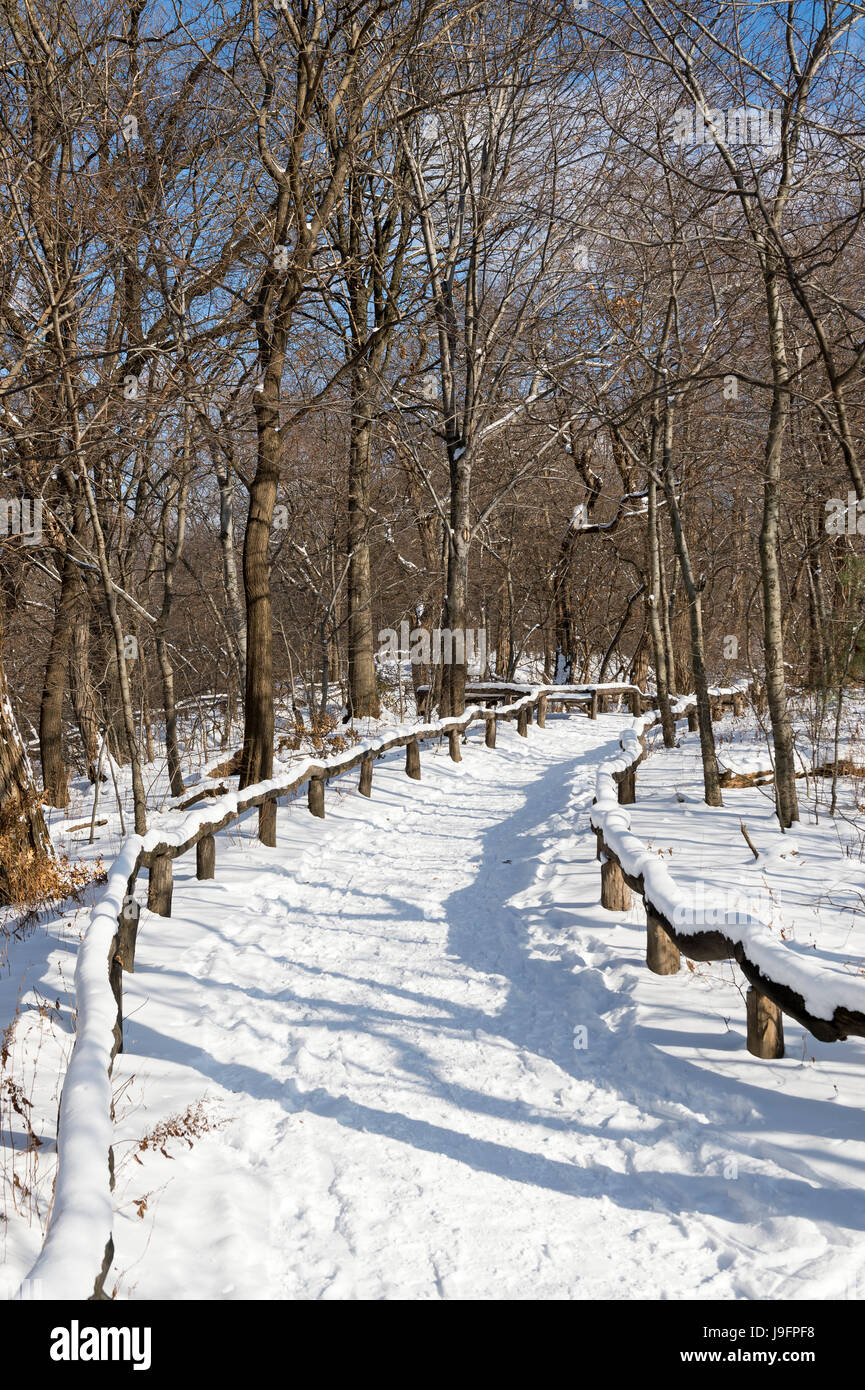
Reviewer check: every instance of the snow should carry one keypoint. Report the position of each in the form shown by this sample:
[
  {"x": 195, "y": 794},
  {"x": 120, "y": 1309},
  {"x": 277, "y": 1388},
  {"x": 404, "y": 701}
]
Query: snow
[
  {"x": 376, "y": 1030},
  {"x": 823, "y": 973},
  {"x": 386, "y": 1027},
  {"x": 82, "y": 1212}
]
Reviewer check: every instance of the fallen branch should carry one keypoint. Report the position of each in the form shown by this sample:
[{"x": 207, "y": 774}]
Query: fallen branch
[{"x": 748, "y": 841}]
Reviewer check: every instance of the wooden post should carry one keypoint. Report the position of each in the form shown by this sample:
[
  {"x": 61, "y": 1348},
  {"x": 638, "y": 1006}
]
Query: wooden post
[
  {"x": 717, "y": 711},
  {"x": 615, "y": 893},
  {"x": 765, "y": 1026},
  {"x": 115, "y": 979},
  {"x": 412, "y": 759},
  {"x": 542, "y": 711},
  {"x": 454, "y": 745},
  {"x": 267, "y": 823},
  {"x": 738, "y": 703},
  {"x": 599, "y": 846},
  {"x": 662, "y": 956},
  {"x": 693, "y": 720},
  {"x": 315, "y": 796},
  {"x": 636, "y": 701},
  {"x": 127, "y": 933},
  {"x": 628, "y": 786},
  {"x": 365, "y": 784},
  {"x": 205, "y": 857},
  {"x": 523, "y": 722},
  {"x": 602, "y": 704},
  {"x": 160, "y": 885},
  {"x": 99, "y": 1293},
  {"x": 490, "y": 735},
  {"x": 593, "y": 705}
]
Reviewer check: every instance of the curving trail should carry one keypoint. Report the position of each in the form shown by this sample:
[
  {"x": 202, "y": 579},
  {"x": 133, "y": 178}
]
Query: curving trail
[{"x": 379, "y": 1019}]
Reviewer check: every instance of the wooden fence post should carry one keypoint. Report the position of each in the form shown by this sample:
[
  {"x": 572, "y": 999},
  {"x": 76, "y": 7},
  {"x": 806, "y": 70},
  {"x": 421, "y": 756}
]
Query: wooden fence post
[
  {"x": 765, "y": 1026},
  {"x": 115, "y": 979},
  {"x": 636, "y": 701},
  {"x": 315, "y": 796},
  {"x": 160, "y": 885},
  {"x": 365, "y": 784},
  {"x": 662, "y": 956},
  {"x": 490, "y": 735},
  {"x": 267, "y": 823},
  {"x": 205, "y": 857},
  {"x": 593, "y": 705},
  {"x": 523, "y": 722},
  {"x": 412, "y": 759},
  {"x": 454, "y": 745},
  {"x": 127, "y": 933},
  {"x": 542, "y": 712},
  {"x": 615, "y": 893},
  {"x": 628, "y": 786},
  {"x": 693, "y": 720}
]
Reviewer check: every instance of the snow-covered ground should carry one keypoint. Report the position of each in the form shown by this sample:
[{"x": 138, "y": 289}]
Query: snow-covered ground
[
  {"x": 807, "y": 885},
  {"x": 744, "y": 744},
  {"x": 407, "y": 1055}
]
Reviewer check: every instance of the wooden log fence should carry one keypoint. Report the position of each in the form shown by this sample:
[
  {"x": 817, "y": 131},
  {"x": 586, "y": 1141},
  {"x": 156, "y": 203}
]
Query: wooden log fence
[
  {"x": 767, "y": 999},
  {"x": 157, "y": 857},
  {"x": 597, "y": 696},
  {"x": 216, "y": 808}
]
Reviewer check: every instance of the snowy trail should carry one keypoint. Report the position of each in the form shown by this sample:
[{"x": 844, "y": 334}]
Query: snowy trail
[{"x": 379, "y": 1017}]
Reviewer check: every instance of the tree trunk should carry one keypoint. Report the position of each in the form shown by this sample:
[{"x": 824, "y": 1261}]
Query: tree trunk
[
  {"x": 229, "y": 573},
  {"x": 362, "y": 691},
  {"x": 138, "y": 793},
  {"x": 172, "y": 750},
  {"x": 666, "y": 609},
  {"x": 711, "y": 783},
  {"x": 454, "y": 677},
  {"x": 257, "y": 758},
  {"x": 652, "y": 613},
  {"x": 23, "y": 833},
  {"x": 786, "y": 803},
  {"x": 53, "y": 689},
  {"x": 565, "y": 630},
  {"x": 81, "y": 686}
]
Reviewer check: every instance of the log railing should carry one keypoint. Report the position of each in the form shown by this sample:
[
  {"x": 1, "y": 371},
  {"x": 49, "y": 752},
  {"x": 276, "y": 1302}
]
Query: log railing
[
  {"x": 595, "y": 697},
  {"x": 779, "y": 981},
  {"x": 78, "y": 1248},
  {"x": 74, "y": 1262}
]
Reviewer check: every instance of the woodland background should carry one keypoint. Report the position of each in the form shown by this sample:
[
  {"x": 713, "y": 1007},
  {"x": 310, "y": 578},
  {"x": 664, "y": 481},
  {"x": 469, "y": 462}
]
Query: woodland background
[{"x": 315, "y": 318}]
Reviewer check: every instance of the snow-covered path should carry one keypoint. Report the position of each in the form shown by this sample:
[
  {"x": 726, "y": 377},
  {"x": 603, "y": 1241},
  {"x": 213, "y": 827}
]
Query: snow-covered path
[{"x": 379, "y": 1018}]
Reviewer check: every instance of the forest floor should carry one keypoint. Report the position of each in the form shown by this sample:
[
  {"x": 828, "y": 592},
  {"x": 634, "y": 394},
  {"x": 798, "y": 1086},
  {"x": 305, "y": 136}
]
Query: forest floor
[{"x": 407, "y": 1055}]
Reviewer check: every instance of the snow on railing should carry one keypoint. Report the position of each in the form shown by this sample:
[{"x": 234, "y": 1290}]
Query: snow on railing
[
  {"x": 81, "y": 1214},
  {"x": 829, "y": 1005}
]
